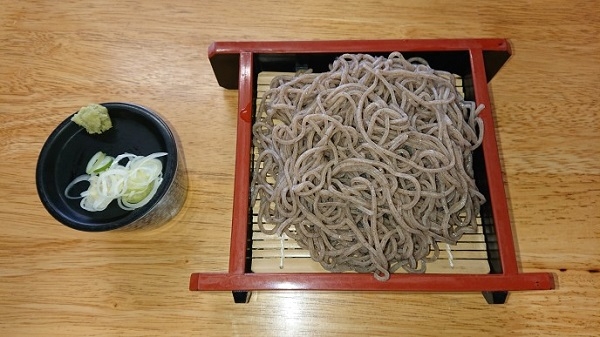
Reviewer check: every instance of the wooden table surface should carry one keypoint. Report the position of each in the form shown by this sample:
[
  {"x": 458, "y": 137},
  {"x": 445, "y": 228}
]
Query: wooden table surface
[{"x": 56, "y": 56}]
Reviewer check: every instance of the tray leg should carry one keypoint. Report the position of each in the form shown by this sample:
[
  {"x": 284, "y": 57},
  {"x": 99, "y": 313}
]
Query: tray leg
[
  {"x": 240, "y": 296},
  {"x": 495, "y": 297}
]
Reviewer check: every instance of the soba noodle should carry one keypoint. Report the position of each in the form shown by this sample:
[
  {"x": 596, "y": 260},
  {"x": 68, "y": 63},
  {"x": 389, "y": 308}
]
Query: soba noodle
[{"x": 369, "y": 165}]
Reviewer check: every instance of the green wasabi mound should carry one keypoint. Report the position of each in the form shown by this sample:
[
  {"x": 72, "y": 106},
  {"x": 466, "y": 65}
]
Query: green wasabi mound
[{"x": 94, "y": 118}]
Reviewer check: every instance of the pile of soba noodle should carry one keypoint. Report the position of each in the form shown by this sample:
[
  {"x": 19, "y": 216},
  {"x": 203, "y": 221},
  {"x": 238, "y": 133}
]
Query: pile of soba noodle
[{"x": 367, "y": 166}]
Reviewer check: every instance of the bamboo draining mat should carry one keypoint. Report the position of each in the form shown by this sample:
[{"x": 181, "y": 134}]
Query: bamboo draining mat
[{"x": 271, "y": 253}]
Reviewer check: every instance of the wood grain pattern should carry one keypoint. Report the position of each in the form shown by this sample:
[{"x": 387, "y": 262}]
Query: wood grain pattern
[{"x": 57, "y": 56}]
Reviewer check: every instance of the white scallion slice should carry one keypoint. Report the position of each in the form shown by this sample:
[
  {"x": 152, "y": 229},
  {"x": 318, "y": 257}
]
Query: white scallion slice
[
  {"x": 132, "y": 184},
  {"x": 98, "y": 163}
]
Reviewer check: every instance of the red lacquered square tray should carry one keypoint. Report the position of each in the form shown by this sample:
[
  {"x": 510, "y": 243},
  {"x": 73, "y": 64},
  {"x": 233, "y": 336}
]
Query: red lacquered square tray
[{"x": 237, "y": 65}]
